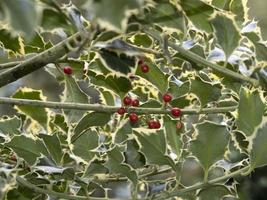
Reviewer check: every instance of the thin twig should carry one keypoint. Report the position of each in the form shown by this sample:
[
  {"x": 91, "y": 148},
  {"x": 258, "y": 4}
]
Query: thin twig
[
  {"x": 160, "y": 196},
  {"x": 110, "y": 109},
  {"x": 40, "y": 60},
  {"x": 201, "y": 61}
]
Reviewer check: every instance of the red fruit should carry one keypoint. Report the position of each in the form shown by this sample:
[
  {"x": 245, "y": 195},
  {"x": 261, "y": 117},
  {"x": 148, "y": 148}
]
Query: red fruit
[
  {"x": 152, "y": 124},
  {"x": 127, "y": 100},
  {"x": 157, "y": 124},
  {"x": 121, "y": 111},
  {"x": 133, "y": 117},
  {"x": 135, "y": 103},
  {"x": 144, "y": 68},
  {"x": 67, "y": 70},
  {"x": 179, "y": 125},
  {"x": 176, "y": 112},
  {"x": 167, "y": 97}
]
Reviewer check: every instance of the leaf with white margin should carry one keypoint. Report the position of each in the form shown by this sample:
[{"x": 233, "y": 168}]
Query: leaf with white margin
[{"x": 153, "y": 145}]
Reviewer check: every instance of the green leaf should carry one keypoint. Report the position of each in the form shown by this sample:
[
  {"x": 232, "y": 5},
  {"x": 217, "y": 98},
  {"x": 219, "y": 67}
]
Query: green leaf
[
  {"x": 123, "y": 132},
  {"x": 226, "y": 32},
  {"x": 89, "y": 120},
  {"x": 115, "y": 164},
  {"x": 142, "y": 40},
  {"x": 117, "y": 62},
  {"x": 258, "y": 157},
  {"x": 132, "y": 155},
  {"x": 155, "y": 76},
  {"x": 53, "y": 146},
  {"x": 39, "y": 114},
  {"x": 73, "y": 94},
  {"x": 216, "y": 192},
  {"x": 27, "y": 148},
  {"x": 179, "y": 90},
  {"x": 210, "y": 144},
  {"x": 260, "y": 45},
  {"x": 191, "y": 172},
  {"x": 250, "y": 111},
  {"x": 107, "y": 97},
  {"x": 10, "y": 42},
  {"x": 84, "y": 145},
  {"x": 205, "y": 91},
  {"x": 222, "y": 4},
  {"x": 59, "y": 121},
  {"x": 116, "y": 16},
  {"x": 153, "y": 146},
  {"x": 166, "y": 15},
  {"x": 119, "y": 85},
  {"x": 52, "y": 19},
  {"x": 199, "y": 13},
  {"x": 240, "y": 10},
  {"x": 22, "y": 16},
  {"x": 10, "y": 126},
  {"x": 173, "y": 135}
]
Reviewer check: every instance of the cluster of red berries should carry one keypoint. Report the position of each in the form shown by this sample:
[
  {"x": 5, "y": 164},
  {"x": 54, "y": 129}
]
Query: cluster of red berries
[
  {"x": 152, "y": 124},
  {"x": 144, "y": 67},
  {"x": 128, "y": 101}
]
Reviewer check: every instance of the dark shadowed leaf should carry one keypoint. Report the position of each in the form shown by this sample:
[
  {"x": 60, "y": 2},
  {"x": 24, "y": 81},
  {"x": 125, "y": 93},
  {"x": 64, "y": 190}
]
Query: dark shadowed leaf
[{"x": 119, "y": 63}]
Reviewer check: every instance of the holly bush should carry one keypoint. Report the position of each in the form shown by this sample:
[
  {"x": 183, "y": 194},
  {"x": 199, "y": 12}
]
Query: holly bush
[{"x": 162, "y": 99}]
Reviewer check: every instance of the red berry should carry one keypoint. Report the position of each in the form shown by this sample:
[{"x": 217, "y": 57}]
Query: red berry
[
  {"x": 121, "y": 111},
  {"x": 179, "y": 125},
  {"x": 144, "y": 68},
  {"x": 141, "y": 61},
  {"x": 167, "y": 97},
  {"x": 176, "y": 112},
  {"x": 127, "y": 100},
  {"x": 151, "y": 124},
  {"x": 157, "y": 124},
  {"x": 67, "y": 70},
  {"x": 135, "y": 103},
  {"x": 133, "y": 117}
]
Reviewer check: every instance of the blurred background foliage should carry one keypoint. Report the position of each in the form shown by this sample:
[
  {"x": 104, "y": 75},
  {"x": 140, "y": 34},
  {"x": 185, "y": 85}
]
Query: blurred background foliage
[{"x": 258, "y": 11}]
